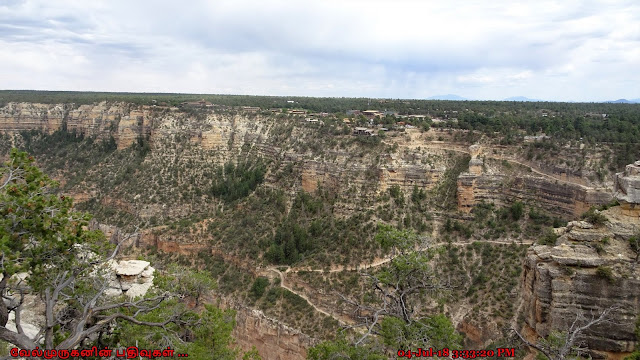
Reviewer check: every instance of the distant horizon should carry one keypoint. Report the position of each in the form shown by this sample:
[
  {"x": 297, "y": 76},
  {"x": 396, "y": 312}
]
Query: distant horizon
[{"x": 430, "y": 98}]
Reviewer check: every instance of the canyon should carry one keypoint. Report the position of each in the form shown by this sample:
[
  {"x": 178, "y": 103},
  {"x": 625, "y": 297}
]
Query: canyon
[
  {"x": 558, "y": 281},
  {"x": 415, "y": 161}
]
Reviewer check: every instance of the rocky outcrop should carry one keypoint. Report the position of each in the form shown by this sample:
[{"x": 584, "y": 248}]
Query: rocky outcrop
[
  {"x": 627, "y": 189},
  {"x": 130, "y": 277},
  {"x": 590, "y": 269},
  {"x": 273, "y": 339},
  {"x": 559, "y": 198},
  {"x": 15, "y": 117},
  {"x": 380, "y": 177},
  {"x": 467, "y": 180},
  {"x": 124, "y": 122}
]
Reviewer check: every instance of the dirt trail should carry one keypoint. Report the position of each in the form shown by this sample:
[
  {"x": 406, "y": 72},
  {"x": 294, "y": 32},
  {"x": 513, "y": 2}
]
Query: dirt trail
[
  {"x": 345, "y": 321},
  {"x": 302, "y": 295}
]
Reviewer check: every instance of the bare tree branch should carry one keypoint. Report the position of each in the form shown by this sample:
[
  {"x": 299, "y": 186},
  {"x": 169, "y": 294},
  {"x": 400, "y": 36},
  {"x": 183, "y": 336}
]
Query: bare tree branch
[
  {"x": 571, "y": 336},
  {"x": 530, "y": 344}
]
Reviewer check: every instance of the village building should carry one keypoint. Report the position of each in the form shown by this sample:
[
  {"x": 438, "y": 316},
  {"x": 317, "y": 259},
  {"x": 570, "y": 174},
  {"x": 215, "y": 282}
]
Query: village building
[
  {"x": 542, "y": 137},
  {"x": 370, "y": 114},
  {"x": 201, "y": 103},
  {"x": 362, "y": 131}
]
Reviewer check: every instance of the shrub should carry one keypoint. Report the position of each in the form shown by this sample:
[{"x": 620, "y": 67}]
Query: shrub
[
  {"x": 605, "y": 272},
  {"x": 634, "y": 242},
  {"x": 259, "y": 286},
  {"x": 516, "y": 209},
  {"x": 594, "y": 217},
  {"x": 549, "y": 238}
]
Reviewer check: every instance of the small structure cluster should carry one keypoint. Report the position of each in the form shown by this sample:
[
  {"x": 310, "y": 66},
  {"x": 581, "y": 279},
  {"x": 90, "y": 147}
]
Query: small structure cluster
[
  {"x": 201, "y": 103},
  {"x": 363, "y": 131}
]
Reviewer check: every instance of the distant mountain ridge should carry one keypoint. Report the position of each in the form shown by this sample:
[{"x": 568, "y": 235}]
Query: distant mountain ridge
[
  {"x": 521, "y": 98},
  {"x": 624, "y": 101}
]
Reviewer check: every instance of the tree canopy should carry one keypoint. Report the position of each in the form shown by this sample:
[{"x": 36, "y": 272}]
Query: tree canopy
[{"x": 48, "y": 251}]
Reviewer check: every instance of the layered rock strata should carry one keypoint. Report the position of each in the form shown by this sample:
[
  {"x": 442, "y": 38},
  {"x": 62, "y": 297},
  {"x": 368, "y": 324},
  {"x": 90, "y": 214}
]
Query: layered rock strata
[
  {"x": 627, "y": 189},
  {"x": 590, "y": 269},
  {"x": 125, "y": 122},
  {"x": 224, "y": 136},
  {"x": 273, "y": 339},
  {"x": 559, "y": 198},
  {"x": 333, "y": 176}
]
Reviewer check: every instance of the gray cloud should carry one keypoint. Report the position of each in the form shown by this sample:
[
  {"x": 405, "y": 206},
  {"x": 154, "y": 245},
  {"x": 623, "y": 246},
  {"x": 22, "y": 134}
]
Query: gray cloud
[{"x": 329, "y": 48}]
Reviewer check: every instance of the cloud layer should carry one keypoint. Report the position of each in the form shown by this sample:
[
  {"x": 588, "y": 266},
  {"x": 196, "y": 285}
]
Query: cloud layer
[{"x": 569, "y": 50}]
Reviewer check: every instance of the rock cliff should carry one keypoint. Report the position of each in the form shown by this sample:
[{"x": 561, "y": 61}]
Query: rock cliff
[
  {"x": 125, "y": 122},
  {"x": 558, "y": 197},
  {"x": 223, "y": 136},
  {"x": 273, "y": 339},
  {"x": 627, "y": 189},
  {"x": 591, "y": 268}
]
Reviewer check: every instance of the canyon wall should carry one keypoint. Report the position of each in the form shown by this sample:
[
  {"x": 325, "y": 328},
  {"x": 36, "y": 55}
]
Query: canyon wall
[
  {"x": 589, "y": 270},
  {"x": 337, "y": 175},
  {"x": 125, "y": 122},
  {"x": 627, "y": 189},
  {"x": 558, "y": 197},
  {"x": 271, "y": 338},
  {"x": 224, "y": 136}
]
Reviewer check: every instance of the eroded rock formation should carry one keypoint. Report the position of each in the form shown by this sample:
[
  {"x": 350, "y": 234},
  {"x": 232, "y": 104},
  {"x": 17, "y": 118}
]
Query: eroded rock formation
[
  {"x": 591, "y": 268},
  {"x": 273, "y": 339},
  {"x": 125, "y": 122},
  {"x": 224, "y": 136},
  {"x": 627, "y": 189},
  {"x": 561, "y": 198},
  {"x": 130, "y": 277}
]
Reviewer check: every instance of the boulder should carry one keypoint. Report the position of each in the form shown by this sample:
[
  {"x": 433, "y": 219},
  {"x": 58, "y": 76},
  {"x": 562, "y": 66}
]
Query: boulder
[
  {"x": 131, "y": 267},
  {"x": 137, "y": 290}
]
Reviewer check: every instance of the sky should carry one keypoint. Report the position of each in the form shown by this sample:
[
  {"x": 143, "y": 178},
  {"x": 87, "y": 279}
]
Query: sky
[{"x": 564, "y": 50}]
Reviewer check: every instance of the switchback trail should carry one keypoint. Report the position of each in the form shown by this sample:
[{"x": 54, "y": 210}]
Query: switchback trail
[
  {"x": 346, "y": 321},
  {"x": 302, "y": 295}
]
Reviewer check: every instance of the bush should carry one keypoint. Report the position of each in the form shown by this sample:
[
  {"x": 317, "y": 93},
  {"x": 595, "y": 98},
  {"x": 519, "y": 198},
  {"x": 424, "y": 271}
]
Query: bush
[
  {"x": 549, "y": 238},
  {"x": 259, "y": 286},
  {"x": 605, "y": 272},
  {"x": 594, "y": 217},
  {"x": 516, "y": 209},
  {"x": 397, "y": 195},
  {"x": 634, "y": 242},
  {"x": 237, "y": 181}
]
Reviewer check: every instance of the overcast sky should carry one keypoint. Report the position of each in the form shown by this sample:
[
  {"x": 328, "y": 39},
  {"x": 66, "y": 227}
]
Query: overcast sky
[{"x": 552, "y": 50}]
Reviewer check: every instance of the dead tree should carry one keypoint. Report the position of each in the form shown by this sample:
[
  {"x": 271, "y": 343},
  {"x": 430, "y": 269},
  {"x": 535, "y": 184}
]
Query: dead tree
[{"x": 561, "y": 344}]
